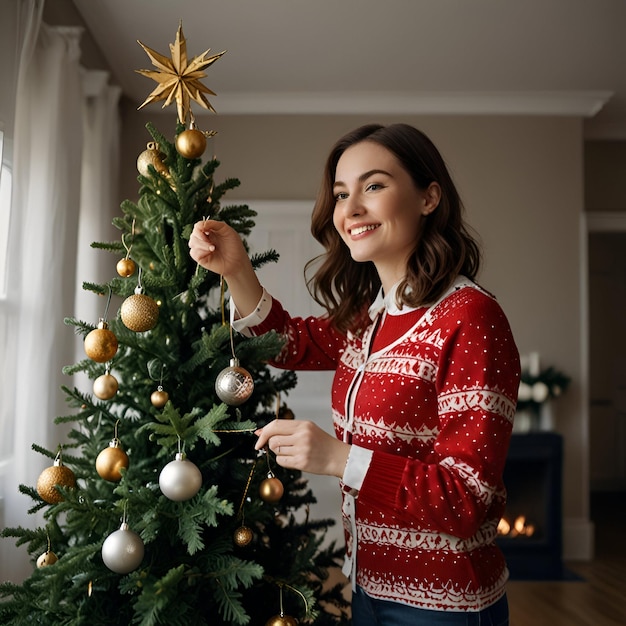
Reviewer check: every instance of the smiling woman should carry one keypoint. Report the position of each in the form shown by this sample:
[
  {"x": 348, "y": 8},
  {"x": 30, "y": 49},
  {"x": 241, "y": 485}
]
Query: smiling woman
[{"x": 426, "y": 373}]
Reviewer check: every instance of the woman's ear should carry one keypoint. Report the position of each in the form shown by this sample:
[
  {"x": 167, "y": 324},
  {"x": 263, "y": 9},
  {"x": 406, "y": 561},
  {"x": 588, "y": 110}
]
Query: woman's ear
[{"x": 432, "y": 196}]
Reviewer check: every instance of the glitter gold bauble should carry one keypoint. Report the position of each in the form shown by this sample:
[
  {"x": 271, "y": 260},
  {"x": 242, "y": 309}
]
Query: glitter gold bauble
[
  {"x": 151, "y": 156},
  {"x": 101, "y": 343},
  {"x": 242, "y": 536},
  {"x": 47, "y": 558},
  {"x": 139, "y": 313},
  {"x": 191, "y": 143},
  {"x": 159, "y": 398},
  {"x": 105, "y": 386},
  {"x": 282, "y": 620},
  {"x": 126, "y": 267},
  {"x": 271, "y": 489},
  {"x": 57, "y": 474},
  {"x": 111, "y": 460},
  {"x": 234, "y": 385}
]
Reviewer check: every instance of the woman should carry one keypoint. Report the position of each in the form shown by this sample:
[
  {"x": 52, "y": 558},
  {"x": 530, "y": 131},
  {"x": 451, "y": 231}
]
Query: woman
[{"x": 426, "y": 379}]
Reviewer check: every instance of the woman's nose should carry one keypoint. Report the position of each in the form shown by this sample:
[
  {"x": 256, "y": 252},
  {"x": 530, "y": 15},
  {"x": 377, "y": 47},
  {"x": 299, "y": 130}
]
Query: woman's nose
[{"x": 353, "y": 206}]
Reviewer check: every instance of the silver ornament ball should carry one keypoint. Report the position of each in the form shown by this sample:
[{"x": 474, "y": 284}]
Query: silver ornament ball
[
  {"x": 234, "y": 385},
  {"x": 123, "y": 550},
  {"x": 180, "y": 479}
]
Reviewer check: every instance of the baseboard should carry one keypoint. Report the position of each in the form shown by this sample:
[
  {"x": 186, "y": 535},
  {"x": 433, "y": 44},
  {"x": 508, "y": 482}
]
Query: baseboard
[{"x": 578, "y": 539}]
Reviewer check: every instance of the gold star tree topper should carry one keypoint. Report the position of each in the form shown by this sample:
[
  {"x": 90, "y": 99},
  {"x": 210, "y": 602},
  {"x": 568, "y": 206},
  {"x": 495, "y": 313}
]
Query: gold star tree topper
[{"x": 179, "y": 79}]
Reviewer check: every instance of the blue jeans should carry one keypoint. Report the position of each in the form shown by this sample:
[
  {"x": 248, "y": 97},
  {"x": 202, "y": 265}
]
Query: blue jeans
[{"x": 368, "y": 611}]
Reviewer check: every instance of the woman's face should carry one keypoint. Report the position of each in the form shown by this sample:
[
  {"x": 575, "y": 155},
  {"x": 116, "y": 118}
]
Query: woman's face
[{"x": 379, "y": 209}]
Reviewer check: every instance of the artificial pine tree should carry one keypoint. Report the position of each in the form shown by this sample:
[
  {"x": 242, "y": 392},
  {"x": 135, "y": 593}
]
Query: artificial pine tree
[{"x": 158, "y": 509}]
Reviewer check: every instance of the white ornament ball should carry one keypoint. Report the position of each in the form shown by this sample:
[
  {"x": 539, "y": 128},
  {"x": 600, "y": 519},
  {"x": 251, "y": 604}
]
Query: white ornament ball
[
  {"x": 540, "y": 392},
  {"x": 234, "y": 385},
  {"x": 123, "y": 550},
  {"x": 180, "y": 479}
]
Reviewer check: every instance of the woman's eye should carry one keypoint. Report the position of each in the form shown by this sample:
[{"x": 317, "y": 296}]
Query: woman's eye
[
  {"x": 373, "y": 187},
  {"x": 341, "y": 195}
]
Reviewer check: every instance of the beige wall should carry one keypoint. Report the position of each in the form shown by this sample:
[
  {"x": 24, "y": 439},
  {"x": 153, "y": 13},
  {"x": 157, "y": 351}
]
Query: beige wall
[{"x": 522, "y": 182}]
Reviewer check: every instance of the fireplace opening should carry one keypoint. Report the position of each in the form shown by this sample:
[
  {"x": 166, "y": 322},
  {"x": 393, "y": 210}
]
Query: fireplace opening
[{"x": 530, "y": 531}]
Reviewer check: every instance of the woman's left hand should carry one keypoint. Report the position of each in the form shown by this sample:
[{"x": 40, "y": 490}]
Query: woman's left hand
[{"x": 303, "y": 445}]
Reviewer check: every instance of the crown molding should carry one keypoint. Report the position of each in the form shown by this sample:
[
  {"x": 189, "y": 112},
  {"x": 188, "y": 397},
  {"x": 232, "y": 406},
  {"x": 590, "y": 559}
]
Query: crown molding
[{"x": 558, "y": 103}]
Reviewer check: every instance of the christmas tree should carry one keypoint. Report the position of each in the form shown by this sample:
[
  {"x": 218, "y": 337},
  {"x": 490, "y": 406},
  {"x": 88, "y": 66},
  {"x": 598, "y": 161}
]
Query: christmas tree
[{"x": 157, "y": 508}]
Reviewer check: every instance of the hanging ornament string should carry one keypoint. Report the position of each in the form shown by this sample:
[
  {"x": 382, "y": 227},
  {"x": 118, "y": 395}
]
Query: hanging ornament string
[
  {"x": 126, "y": 267},
  {"x": 233, "y": 385},
  {"x": 223, "y": 310},
  {"x": 101, "y": 343},
  {"x": 132, "y": 238},
  {"x": 106, "y": 308},
  {"x": 283, "y": 585},
  {"x": 245, "y": 491}
]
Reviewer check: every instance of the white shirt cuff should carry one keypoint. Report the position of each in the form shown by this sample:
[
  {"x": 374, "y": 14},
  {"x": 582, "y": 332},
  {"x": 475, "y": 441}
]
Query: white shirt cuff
[
  {"x": 358, "y": 463},
  {"x": 261, "y": 311}
]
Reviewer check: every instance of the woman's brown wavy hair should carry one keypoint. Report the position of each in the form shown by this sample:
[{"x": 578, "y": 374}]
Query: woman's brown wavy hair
[{"x": 445, "y": 248}]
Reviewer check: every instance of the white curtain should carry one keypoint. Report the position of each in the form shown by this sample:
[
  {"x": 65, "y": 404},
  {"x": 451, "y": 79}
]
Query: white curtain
[
  {"x": 99, "y": 200},
  {"x": 51, "y": 112}
]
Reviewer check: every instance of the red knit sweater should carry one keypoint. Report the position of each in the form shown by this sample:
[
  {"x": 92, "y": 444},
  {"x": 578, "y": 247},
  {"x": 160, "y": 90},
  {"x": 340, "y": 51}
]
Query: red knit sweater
[{"x": 427, "y": 399}]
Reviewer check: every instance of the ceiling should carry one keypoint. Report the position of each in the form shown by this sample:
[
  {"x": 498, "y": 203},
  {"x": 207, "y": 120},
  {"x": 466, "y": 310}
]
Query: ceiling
[{"x": 383, "y": 56}]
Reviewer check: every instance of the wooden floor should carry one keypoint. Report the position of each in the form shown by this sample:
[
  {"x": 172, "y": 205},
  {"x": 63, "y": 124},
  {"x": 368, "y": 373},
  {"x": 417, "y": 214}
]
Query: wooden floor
[{"x": 599, "y": 599}]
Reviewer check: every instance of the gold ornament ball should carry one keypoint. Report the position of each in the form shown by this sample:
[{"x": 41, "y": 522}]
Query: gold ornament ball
[
  {"x": 139, "y": 313},
  {"x": 52, "y": 476},
  {"x": 151, "y": 156},
  {"x": 159, "y": 398},
  {"x": 105, "y": 386},
  {"x": 126, "y": 267},
  {"x": 191, "y": 143},
  {"x": 47, "y": 558},
  {"x": 101, "y": 344},
  {"x": 282, "y": 620},
  {"x": 243, "y": 536},
  {"x": 271, "y": 490},
  {"x": 110, "y": 461}
]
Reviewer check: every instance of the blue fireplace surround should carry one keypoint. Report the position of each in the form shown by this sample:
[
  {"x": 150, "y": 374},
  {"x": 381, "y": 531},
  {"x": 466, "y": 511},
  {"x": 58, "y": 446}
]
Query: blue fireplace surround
[{"x": 533, "y": 479}]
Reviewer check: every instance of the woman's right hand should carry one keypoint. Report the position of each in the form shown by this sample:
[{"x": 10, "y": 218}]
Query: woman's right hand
[{"x": 217, "y": 247}]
